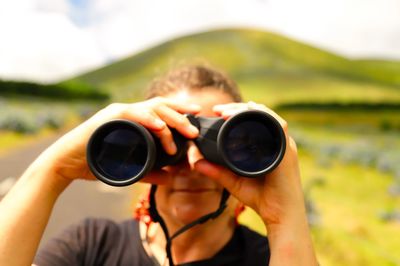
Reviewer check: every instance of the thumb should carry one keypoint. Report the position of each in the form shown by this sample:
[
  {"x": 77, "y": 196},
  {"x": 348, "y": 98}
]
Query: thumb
[{"x": 220, "y": 174}]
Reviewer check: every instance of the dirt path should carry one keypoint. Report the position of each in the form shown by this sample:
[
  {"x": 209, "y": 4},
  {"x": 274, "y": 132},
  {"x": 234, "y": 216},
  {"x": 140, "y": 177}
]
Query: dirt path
[{"x": 81, "y": 199}]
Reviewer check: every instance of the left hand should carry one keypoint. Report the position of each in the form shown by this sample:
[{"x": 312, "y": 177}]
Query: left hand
[{"x": 277, "y": 197}]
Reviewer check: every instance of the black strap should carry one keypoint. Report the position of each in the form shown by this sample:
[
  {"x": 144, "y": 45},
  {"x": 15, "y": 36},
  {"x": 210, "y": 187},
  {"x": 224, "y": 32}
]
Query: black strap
[{"x": 157, "y": 218}]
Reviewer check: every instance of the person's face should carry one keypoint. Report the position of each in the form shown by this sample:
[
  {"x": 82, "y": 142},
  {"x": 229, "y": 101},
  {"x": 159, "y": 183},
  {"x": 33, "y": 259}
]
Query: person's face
[{"x": 190, "y": 194}]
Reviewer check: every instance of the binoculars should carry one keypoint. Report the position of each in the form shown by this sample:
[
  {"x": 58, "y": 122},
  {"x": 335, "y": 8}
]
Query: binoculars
[{"x": 250, "y": 143}]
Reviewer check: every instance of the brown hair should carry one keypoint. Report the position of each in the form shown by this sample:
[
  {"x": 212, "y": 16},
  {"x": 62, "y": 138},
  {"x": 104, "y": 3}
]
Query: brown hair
[{"x": 193, "y": 77}]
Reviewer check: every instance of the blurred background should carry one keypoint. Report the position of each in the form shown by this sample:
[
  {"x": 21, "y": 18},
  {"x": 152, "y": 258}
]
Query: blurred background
[{"x": 330, "y": 68}]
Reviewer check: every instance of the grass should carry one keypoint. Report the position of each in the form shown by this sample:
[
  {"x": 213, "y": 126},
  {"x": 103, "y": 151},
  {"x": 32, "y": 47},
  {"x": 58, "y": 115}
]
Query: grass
[
  {"x": 350, "y": 201},
  {"x": 347, "y": 119},
  {"x": 350, "y": 204},
  {"x": 350, "y": 232},
  {"x": 32, "y": 111},
  {"x": 297, "y": 88}
]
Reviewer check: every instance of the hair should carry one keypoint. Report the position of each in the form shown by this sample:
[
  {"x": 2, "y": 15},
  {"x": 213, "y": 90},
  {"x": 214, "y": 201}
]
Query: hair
[{"x": 193, "y": 78}]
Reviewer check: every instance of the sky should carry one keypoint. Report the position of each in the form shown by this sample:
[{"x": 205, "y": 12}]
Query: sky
[{"x": 51, "y": 40}]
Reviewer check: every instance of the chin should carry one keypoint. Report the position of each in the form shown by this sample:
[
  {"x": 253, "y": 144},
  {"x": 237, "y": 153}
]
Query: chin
[
  {"x": 185, "y": 207},
  {"x": 188, "y": 213}
]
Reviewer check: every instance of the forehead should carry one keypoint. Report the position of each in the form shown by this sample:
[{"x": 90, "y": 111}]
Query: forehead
[{"x": 206, "y": 98}]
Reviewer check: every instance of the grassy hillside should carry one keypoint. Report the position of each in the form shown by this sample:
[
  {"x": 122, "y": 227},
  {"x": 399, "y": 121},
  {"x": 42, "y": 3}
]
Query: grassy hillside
[{"x": 257, "y": 60}]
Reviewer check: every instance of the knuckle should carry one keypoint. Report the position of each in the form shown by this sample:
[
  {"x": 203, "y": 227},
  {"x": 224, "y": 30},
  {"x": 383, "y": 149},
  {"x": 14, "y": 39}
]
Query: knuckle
[
  {"x": 111, "y": 110},
  {"x": 285, "y": 126},
  {"x": 114, "y": 106},
  {"x": 237, "y": 186},
  {"x": 293, "y": 144},
  {"x": 157, "y": 107},
  {"x": 124, "y": 112},
  {"x": 166, "y": 134},
  {"x": 182, "y": 121},
  {"x": 157, "y": 101}
]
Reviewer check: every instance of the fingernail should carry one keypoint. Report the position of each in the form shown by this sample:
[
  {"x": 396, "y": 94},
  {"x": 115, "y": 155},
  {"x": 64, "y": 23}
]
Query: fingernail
[
  {"x": 172, "y": 147},
  {"x": 159, "y": 123},
  {"x": 195, "y": 106},
  {"x": 193, "y": 130}
]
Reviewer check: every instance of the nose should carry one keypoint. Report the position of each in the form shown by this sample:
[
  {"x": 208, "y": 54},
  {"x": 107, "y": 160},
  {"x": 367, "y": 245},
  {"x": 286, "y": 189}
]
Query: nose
[{"x": 193, "y": 154}]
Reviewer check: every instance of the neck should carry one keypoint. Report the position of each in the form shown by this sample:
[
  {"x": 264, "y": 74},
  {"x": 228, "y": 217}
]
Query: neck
[{"x": 199, "y": 242}]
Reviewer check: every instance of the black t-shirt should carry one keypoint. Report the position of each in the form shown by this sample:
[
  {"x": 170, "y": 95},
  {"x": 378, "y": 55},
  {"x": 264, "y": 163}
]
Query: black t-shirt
[{"x": 104, "y": 242}]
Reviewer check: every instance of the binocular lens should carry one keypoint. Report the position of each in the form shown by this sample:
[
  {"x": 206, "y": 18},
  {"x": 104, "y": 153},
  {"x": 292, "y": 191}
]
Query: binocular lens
[
  {"x": 122, "y": 160},
  {"x": 119, "y": 152},
  {"x": 251, "y": 143},
  {"x": 251, "y": 146}
]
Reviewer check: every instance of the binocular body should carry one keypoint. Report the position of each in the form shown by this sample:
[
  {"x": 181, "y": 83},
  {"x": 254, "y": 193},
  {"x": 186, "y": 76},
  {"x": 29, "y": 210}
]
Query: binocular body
[{"x": 251, "y": 143}]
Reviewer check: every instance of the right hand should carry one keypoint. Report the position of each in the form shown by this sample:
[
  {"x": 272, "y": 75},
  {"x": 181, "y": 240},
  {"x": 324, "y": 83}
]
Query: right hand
[{"x": 66, "y": 158}]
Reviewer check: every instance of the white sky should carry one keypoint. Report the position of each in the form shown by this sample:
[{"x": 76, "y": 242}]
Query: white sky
[{"x": 48, "y": 40}]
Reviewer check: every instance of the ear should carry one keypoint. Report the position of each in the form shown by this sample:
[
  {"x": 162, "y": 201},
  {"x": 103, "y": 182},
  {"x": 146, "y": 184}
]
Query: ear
[
  {"x": 141, "y": 212},
  {"x": 240, "y": 207}
]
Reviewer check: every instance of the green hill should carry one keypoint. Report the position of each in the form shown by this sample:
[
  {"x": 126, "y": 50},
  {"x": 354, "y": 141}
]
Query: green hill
[{"x": 262, "y": 63}]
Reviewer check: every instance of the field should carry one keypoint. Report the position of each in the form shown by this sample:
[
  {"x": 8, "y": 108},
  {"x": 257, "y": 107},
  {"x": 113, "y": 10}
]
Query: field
[
  {"x": 343, "y": 114},
  {"x": 351, "y": 178},
  {"x": 25, "y": 119}
]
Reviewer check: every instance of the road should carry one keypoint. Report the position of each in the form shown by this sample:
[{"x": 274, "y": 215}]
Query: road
[{"x": 80, "y": 200}]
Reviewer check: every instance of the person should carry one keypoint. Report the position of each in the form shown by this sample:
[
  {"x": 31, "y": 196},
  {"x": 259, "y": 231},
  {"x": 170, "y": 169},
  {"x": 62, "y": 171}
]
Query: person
[{"x": 185, "y": 192}]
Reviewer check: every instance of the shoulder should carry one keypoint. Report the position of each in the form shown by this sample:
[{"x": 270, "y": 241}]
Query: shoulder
[
  {"x": 89, "y": 232},
  {"x": 104, "y": 223},
  {"x": 98, "y": 227},
  {"x": 95, "y": 241}
]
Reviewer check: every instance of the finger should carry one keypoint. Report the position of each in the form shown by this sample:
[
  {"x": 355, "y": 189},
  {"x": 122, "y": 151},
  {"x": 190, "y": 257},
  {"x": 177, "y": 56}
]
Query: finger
[
  {"x": 179, "y": 105},
  {"x": 220, "y": 108},
  {"x": 153, "y": 122},
  {"x": 158, "y": 127},
  {"x": 146, "y": 118},
  {"x": 183, "y": 107},
  {"x": 261, "y": 107},
  {"x": 167, "y": 140},
  {"x": 231, "y": 112},
  {"x": 228, "y": 110},
  {"x": 165, "y": 136},
  {"x": 88, "y": 175},
  {"x": 177, "y": 121},
  {"x": 293, "y": 145},
  {"x": 220, "y": 174}
]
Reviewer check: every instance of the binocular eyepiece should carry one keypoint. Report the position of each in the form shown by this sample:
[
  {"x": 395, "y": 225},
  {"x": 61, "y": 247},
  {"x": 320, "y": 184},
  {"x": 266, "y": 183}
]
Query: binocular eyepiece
[{"x": 251, "y": 143}]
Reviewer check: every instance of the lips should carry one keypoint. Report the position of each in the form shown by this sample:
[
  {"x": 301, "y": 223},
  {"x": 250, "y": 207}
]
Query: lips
[{"x": 192, "y": 182}]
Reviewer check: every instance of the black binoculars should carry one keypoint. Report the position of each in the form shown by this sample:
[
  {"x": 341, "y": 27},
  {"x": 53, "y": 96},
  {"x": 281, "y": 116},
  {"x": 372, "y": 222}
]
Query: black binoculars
[{"x": 250, "y": 143}]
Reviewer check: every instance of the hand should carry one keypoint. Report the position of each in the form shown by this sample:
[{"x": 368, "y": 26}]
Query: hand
[
  {"x": 276, "y": 197},
  {"x": 67, "y": 157}
]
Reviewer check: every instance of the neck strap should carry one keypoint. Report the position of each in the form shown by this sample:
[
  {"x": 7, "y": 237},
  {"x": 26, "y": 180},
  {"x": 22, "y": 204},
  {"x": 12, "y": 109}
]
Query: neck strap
[{"x": 155, "y": 216}]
